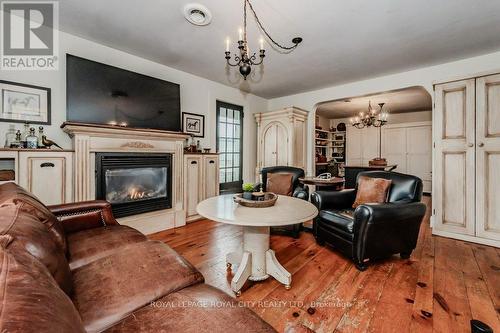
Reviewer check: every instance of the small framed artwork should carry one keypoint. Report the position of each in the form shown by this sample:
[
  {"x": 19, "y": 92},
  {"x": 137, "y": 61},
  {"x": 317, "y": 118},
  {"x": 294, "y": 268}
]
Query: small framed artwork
[
  {"x": 21, "y": 103},
  {"x": 193, "y": 124}
]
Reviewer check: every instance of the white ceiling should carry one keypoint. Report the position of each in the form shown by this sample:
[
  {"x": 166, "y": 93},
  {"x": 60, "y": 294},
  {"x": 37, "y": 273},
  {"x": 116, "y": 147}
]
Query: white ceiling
[
  {"x": 344, "y": 41},
  {"x": 411, "y": 99}
]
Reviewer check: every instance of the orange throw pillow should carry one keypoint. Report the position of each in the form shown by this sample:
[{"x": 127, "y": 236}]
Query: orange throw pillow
[
  {"x": 372, "y": 190},
  {"x": 280, "y": 183}
]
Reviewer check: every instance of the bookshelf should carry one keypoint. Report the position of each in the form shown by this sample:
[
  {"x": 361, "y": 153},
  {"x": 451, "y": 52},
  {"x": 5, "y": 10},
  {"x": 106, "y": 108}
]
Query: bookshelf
[{"x": 332, "y": 145}]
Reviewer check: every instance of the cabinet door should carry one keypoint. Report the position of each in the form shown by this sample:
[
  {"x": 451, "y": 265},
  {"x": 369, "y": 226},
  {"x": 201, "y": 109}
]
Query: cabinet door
[
  {"x": 193, "y": 183},
  {"x": 275, "y": 145},
  {"x": 269, "y": 146},
  {"x": 454, "y": 135},
  {"x": 394, "y": 147},
  {"x": 210, "y": 176},
  {"x": 281, "y": 145},
  {"x": 369, "y": 144},
  {"x": 419, "y": 154},
  {"x": 488, "y": 157},
  {"x": 47, "y": 175},
  {"x": 353, "y": 146}
]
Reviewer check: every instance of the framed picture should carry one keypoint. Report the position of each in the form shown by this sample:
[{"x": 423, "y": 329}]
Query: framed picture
[
  {"x": 193, "y": 124},
  {"x": 21, "y": 103}
]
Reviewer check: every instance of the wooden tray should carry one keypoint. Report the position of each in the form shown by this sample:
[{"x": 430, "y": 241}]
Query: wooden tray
[{"x": 269, "y": 201}]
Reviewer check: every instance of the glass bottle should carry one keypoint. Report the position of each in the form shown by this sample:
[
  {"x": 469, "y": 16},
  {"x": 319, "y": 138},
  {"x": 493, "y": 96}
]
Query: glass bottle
[
  {"x": 25, "y": 134},
  {"x": 31, "y": 139},
  {"x": 40, "y": 137},
  {"x": 198, "y": 146},
  {"x": 17, "y": 141},
  {"x": 10, "y": 137},
  {"x": 193, "y": 145}
]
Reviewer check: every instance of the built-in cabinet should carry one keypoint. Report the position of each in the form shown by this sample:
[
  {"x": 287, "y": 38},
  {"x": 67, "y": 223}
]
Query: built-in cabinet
[
  {"x": 362, "y": 145},
  {"x": 281, "y": 138},
  {"x": 409, "y": 145},
  {"x": 467, "y": 160},
  {"x": 48, "y": 174},
  {"x": 201, "y": 181}
]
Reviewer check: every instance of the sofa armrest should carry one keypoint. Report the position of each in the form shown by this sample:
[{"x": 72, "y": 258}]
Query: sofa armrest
[
  {"x": 333, "y": 199},
  {"x": 301, "y": 192},
  {"x": 79, "y": 216}
]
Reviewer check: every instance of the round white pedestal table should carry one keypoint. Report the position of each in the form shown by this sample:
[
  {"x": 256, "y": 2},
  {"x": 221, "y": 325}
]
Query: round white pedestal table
[{"x": 256, "y": 260}]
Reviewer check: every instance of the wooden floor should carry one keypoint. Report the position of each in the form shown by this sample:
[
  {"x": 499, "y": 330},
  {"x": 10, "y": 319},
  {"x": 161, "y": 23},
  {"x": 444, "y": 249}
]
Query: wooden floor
[{"x": 440, "y": 288}]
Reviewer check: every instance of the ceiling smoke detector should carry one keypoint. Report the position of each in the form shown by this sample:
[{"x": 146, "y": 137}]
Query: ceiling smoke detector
[{"x": 197, "y": 14}]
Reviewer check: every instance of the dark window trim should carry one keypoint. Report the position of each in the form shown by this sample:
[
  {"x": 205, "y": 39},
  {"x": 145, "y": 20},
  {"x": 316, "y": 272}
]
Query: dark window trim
[{"x": 232, "y": 186}]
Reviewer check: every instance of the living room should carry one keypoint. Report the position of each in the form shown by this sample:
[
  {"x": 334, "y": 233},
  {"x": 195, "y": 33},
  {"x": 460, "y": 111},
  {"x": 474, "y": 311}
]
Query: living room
[{"x": 250, "y": 166}]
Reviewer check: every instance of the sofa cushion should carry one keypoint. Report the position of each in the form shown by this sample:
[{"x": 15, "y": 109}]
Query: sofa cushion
[
  {"x": 31, "y": 236},
  {"x": 30, "y": 299},
  {"x": 91, "y": 244},
  {"x": 342, "y": 219},
  {"x": 110, "y": 288},
  {"x": 280, "y": 183},
  {"x": 199, "y": 308},
  {"x": 12, "y": 193},
  {"x": 372, "y": 190}
]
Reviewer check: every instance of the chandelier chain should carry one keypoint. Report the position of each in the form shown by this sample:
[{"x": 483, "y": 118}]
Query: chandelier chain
[{"x": 261, "y": 27}]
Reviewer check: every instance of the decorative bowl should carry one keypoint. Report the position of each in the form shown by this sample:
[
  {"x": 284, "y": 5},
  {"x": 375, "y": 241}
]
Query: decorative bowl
[{"x": 268, "y": 200}]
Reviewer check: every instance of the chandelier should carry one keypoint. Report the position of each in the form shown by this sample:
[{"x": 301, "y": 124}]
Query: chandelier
[
  {"x": 371, "y": 118},
  {"x": 245, "y": 59}
]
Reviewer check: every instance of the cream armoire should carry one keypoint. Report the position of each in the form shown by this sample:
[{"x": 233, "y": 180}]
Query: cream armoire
[
  {"x": 467, "y": 160},
  {"x": 281, "y": 138}
]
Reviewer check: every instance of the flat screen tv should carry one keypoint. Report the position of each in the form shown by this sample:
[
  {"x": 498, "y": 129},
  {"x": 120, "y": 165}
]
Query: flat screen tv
[{"x": 101, "y": 94}]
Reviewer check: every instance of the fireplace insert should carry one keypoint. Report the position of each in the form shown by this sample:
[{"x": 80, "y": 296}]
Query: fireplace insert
[{"x": 134, "y": 182}]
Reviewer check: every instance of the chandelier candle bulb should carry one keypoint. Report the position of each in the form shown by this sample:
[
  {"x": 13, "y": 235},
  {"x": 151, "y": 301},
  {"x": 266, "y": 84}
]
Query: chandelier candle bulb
[
  {"x": 261, "y": 43},
  {"x": 227, "y": 44},
  {"x": 240, "y": 34}
]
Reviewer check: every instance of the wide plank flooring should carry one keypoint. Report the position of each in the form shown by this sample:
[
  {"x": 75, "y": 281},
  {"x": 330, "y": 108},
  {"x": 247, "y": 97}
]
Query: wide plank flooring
[{"x": 440, "y": 288}]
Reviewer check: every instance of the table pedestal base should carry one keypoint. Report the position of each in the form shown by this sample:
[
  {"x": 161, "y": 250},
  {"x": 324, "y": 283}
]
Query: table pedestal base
[{"x": 256, "y": 260}]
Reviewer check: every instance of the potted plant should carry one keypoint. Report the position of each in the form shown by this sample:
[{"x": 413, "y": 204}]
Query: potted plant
[{"x": 248, "y": 188}]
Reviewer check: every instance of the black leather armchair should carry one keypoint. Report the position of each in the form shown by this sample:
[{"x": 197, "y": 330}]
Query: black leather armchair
[
  {"x": 371, "y": 231},
  {"x": 299, "y": 191}
]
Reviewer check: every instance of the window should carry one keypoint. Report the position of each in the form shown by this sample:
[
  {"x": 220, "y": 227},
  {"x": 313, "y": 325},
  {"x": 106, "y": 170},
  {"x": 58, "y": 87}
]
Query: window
[{"x": 230, "y": 145}]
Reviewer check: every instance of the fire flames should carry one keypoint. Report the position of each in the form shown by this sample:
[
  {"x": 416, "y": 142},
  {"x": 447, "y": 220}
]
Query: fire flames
[{"x": 135, "y": 193}]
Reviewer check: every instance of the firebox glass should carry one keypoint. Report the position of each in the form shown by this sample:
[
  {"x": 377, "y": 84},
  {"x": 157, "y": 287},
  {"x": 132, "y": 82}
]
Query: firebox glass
[{"x": 136, "y": 184}]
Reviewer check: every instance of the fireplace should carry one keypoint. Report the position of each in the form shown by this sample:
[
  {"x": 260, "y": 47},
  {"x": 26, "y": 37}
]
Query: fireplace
[{"x": 134, "y": 183}]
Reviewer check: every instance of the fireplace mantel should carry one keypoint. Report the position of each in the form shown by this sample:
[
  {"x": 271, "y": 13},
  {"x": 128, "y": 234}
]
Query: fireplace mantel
[
  {"x": 73, "y": 128},
  {"x": 89, "y": 139}
]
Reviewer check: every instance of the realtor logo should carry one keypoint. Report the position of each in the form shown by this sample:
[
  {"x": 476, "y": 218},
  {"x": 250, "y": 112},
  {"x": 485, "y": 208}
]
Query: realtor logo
[{"x": 29, "y": 35}]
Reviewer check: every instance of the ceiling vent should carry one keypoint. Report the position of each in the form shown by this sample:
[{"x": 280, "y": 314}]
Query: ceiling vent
[{"x": 197, "y": 14}]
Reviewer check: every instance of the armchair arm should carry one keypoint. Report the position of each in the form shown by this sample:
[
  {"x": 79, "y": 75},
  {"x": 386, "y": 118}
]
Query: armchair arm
[
  {"x": 301, "y": 192},
  {"x": 389, "y": 213},
  {"x": 397, "y": 224},
  {"x": 79, "y": 216},
  {"x": 333, "y": 199}
]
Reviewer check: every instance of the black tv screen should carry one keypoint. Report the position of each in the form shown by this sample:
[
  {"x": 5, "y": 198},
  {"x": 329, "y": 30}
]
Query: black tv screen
[{"x": 102, "y": 94}]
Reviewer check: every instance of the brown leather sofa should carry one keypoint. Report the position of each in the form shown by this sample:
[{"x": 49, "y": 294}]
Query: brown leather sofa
[{"x": 73, "y": 268}]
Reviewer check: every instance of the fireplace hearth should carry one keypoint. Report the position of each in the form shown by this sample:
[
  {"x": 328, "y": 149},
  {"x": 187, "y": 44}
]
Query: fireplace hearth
[{"x": 134, "y": 183}]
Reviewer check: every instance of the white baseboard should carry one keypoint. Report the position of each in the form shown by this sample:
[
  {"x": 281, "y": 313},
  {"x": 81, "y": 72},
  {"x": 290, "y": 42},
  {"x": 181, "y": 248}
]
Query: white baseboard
[{"x": 467, "y": 238}]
